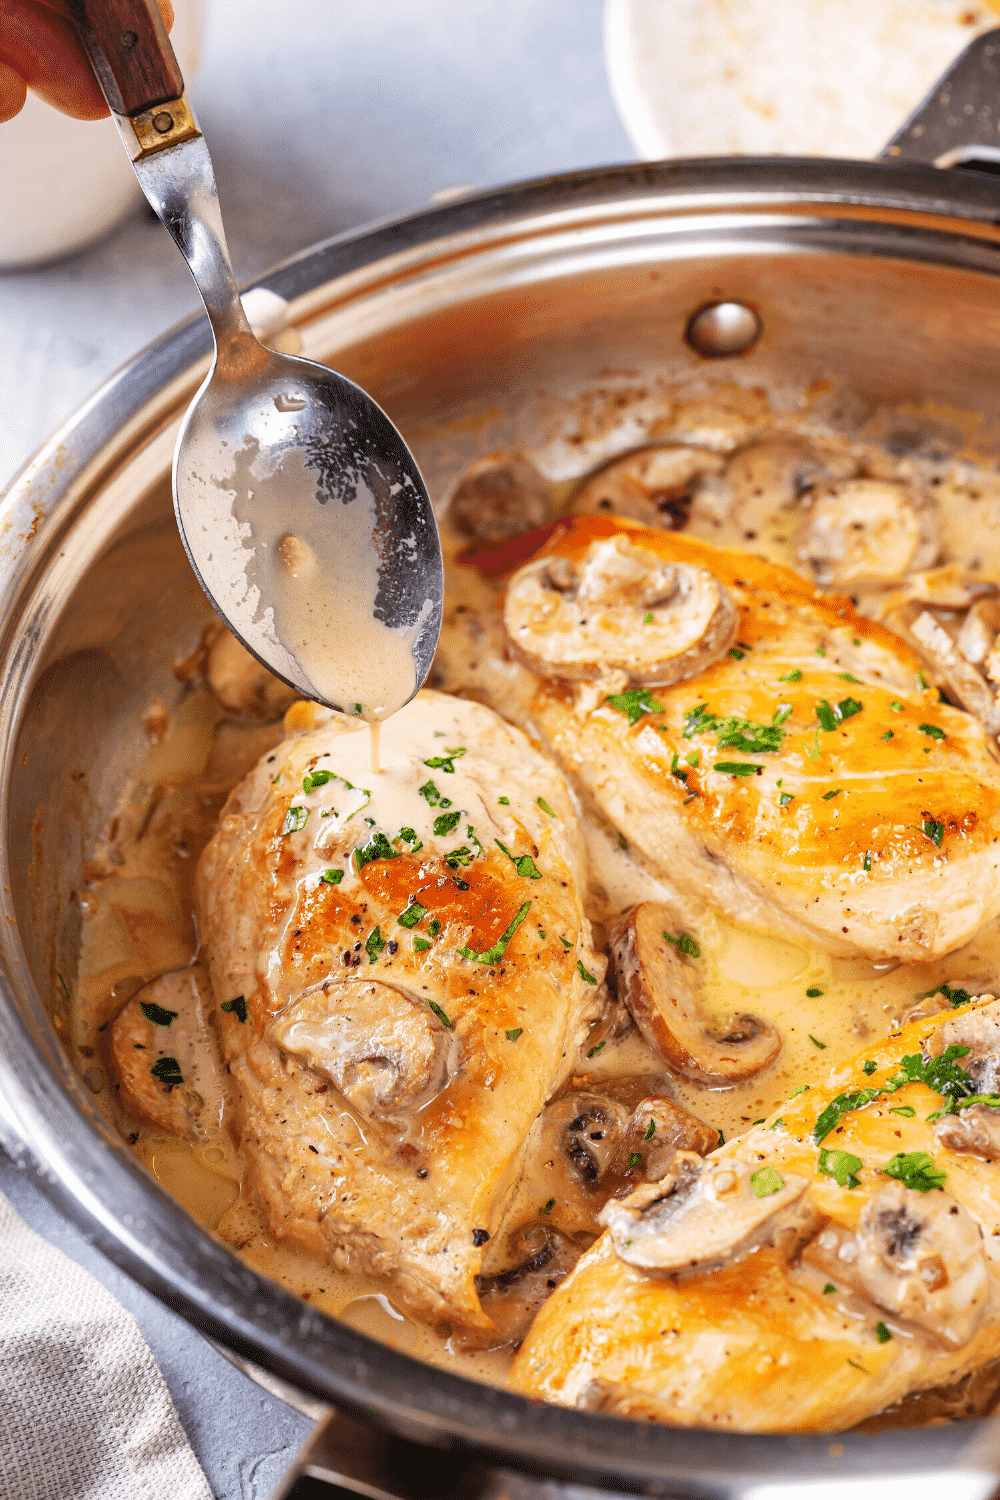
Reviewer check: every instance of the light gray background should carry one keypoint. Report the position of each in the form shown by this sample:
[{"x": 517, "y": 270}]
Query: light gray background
[{"x": 320, "y": 115}]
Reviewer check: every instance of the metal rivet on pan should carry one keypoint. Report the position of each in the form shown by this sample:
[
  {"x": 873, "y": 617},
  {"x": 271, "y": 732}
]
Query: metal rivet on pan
[
  {"x": 163, "y": 122},
  {"x": 723, "y": 328}
]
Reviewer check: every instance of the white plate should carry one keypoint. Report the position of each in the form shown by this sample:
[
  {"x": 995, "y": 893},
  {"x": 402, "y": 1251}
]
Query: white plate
[{"x": 790, "y": 77}]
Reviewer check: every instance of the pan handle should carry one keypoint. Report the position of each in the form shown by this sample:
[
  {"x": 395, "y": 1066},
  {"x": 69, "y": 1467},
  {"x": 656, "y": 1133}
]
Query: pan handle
[{"x": 959, "y": 121}]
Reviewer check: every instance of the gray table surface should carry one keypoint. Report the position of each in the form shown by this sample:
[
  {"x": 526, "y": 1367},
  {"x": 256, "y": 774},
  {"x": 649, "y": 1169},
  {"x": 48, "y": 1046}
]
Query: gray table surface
[{"x": 320, "y": 116}]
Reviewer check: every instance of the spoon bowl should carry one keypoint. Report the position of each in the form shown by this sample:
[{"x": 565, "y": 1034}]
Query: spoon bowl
[{"x": 302, "y": 510}]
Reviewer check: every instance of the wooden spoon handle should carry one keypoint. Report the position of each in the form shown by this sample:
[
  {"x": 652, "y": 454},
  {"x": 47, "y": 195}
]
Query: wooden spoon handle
[{"x": 128, "y": 48}]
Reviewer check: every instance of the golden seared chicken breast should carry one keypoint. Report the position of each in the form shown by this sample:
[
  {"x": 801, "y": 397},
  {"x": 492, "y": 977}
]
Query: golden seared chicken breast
[
  {"x": 840, "y": 1256},
  {"x": 788, "y": 761},
  {"x": 403, "y": 974}
]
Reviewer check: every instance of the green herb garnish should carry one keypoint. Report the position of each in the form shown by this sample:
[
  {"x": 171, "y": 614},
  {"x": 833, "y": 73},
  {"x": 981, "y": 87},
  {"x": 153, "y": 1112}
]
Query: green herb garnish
[
  {"x": 785, "y": 798},
  {"x": 512, "y": 1036},
  {"x": 828, "y": 796},
  {"x": 168, "y": 1071},
  {"x": 523, "y": 863},
  {"x": 445, "y": 822},
  {"x": 867, "y": 862},
  {"x": 766, "y": 1181},
  {"x": 793, "y": 676},
  {"x": 933, "y": 830},
  {"x": 933, "y": 730},
  {"x": 434, "y": 926},
  {"x": 430, "y": 791},
  {"x": 237, "y": 1007},
  {"x": 413, "y": 914},
  {"x": 445, "y": 762},
  {"x": 493, "y": 955},
  {"x": 816, "y": 1041},
  {"x": 315, "y": 778},
  {"x": 332, "y": 877},
  {"x": 634, "y": 704},
  {"x": 675, "y": 768},
  {"x": 156, "y": 1013},
  {"x": 504, "y": 801},
  {"x": 684, "y": 944},
  {"x": 296, "y": 819},
  {"x": 842, "y": 1166},
  {"x": 650, "y": 1131},
  {"x": 915, "y": 1169},
  {"x": 594, "y": 1050},
  {"x": 882, "y": 1333},
  {"x": 440, "y": 1014},
  {"x": 420, "y": 945},
  {"x": 544, "y": 806},
  {"x": 902, "y": 1109},
  {"x": 547, "y": 1208},
  {"x": 737, "y": 767},
  {"x": 584, "y": 973}
]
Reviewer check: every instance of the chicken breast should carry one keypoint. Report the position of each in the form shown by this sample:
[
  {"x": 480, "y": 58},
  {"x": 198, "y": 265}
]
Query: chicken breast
[
  {"x": 836, "y": 1258},
  {"x": 403, "y": 974},
  {"x": 808, "y": 780}
]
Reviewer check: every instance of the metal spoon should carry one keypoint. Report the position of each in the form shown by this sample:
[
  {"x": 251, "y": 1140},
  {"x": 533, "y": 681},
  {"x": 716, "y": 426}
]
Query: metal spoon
[{"x": 300, "y": 506}]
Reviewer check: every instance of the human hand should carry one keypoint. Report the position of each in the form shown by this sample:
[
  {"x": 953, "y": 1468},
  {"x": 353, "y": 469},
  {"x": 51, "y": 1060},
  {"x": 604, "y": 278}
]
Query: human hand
[{"x": 39, "y": 51}]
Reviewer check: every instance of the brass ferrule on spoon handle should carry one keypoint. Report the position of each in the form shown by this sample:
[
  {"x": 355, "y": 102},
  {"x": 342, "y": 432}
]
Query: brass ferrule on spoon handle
[{"x": 128, "y": 48}]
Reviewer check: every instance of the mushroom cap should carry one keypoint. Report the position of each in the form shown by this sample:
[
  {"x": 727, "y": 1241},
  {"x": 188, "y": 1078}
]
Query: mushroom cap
[
  {"x": 660, "y": 990},
  {"x": 498, "y": 497},
  {"x": 383, "y": 1048},
  {"x": 619, "y": 609},
  {"x": 973, "y": 1132},
  {"x": 979, "y": 1030},
  {"x": 704, "y": 1214},
  {"x": 918, "y": 1255},
  {"x": 771, "y": 475},
  {"x": 241, "y": 684},
  {"x": 653, "y": 485},
  {"x": 867, "y": 531}
]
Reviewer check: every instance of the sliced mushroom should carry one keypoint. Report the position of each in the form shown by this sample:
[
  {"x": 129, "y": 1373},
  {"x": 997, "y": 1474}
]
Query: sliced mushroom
[
  {"x": 772, "y": 475},
  {"x": 165, "y": 1058},
  {"x": 498, "y": 497},
  {"x": 974, "y": 1131},
  {"x": 964, "y": 683},
  {"x": 658, "y": 1129},
  {"x": 384, "y": 1049},
  {"x": 655, "y": 485},
  {"x": 979, "y": 1030},
  {"x": 241, "y": 684},
  {"x": 918, "y": 1255},
  {"x": 867, "y": 531},
  {"x": 621, "y": 609},
  {"x": 661, "y": 992},
  {"x": 630, "y": 1089},
  {"x": 542, "y": 1258},
  {"x": 706, "y": 1214},
  {"x": 978, "y": 631}
]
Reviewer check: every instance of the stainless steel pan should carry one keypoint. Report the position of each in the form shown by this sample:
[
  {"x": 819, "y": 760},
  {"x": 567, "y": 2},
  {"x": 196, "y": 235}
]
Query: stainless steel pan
[{"x": 476, "y": 325}]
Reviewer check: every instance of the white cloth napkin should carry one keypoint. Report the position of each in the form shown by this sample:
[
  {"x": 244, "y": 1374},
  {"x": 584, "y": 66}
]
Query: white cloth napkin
[{"x": 84, "y": 1411}]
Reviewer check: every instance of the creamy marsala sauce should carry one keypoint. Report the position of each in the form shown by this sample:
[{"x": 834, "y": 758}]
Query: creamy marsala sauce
[{"x": 138, "y": 919}]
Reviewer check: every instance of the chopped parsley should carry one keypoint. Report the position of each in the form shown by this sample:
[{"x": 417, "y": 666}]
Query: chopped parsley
[
  {"x": 584, "y": 973},
  {"x": 440, "y": 1014},
  {"x": 888, "y": 735},
  {"x": 933, "y": 730},
  {"x": 547, "y": 1208},
  {"x": 734, "y": 733},
  {"x": 915, "y": 1169},
  {"x": 237, "y": 1007},
  {"x": 544, "y": 806},
  {"x": 903, "y": 1109},
  {"x": 445, "y": 822},
  {"x": 737, "y": 768},
  {"x": 523, "y": 863},
  {"x": 458, "y": 858},
  {"x": 623, "y": 842},
  {"x": 296, "y": 819},
  {"x": 828, "y": 796},
  {"x": 848, "y": 677},
  {"x": 168, "y": 1071},
  {"x": 431, "y": 793},
  {"x": 675, "y": 768},
  {"x": 785, "y": 798},
  {"x": 882, "y": 1333},
  {"x": 793, "y": 676},
  {"x": 413, "y": 914},
  {"x": 434, "y": 926},
  {"x": 635, "y": 1158},
  {"x": 842, "y": 1166},
  {"x": 420, "y": 945},
  {"x": 377, "y": 847},
  {"x": 157, "y": 1014},
  {"x": 445, "y": 762},
  {"x": 374, "y": 944},
  {"x": 922, "y": 681},
  {"x": 332, "y": 877},
  {"x": 896, "y": 706},
  {"x": 954, "y": 997},
  {"x": 594, "y": 1050},
  {"x": 647, "y": 618},
  {"x": 512, "y": 1036},
  {"x": 868, "y": 1067},
  {"x": 315, "y": 778},
  {"x": 856, "y": 1366},
  {"x": 566, "y": 944},
  {"x": 828, "y": 1289},
  {"x": 495, "y": 954},
  {"x": 504, "y": 801},
  {"x": 839, "y": 1107},
  {"x": 634, "y": 704},
  {"x": 684, "y": 944},
  {"x": 766, "y": 1181},
  {"x": 816, "y": 1041},
  {"x": 820, "y": 650},
  {"x": 813, "y": 992},
  {"x": 933, "y": 830},
  {"x": 829, "y": 717},
  {"x": 867, "y": 862},
  {"x": 650, "y": 1131}
]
